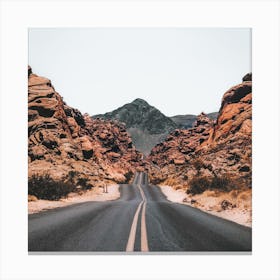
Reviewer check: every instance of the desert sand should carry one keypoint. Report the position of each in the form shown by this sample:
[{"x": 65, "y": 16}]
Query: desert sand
[{"x": 210, "y": 202}]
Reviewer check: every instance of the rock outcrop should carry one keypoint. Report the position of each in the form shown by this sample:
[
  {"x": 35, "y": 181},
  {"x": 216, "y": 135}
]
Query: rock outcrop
[
  {"x": 70, "y": 146},
  {"x": 229, "y": 146},
  {"x": 181, "y": 145},
  {"x": 221, "y": 149}
]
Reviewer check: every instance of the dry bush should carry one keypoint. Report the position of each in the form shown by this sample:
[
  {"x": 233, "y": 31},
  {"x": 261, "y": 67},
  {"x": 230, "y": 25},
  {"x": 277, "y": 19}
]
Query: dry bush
[
  {"x": 198, "y": 184},
  {"x": 32, "y": 198},
  {"x": 243, "y": 196},
  {"x": 128, "y": 177},
  {"x": 234, "y": 193},
  {"x": 172, "y": 182},
  {"x": 155, "y": 180},
  {"x": 223, "y": 183},
  {"x": 212, "y": 193},
  {"x": 83, "y": 182},
  {"x": 45, "y": 187}
]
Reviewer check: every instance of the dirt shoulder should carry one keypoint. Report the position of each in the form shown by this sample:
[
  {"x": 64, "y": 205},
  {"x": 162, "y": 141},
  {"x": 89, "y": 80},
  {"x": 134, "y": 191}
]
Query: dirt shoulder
[
  {"x": 95, "y": 194},
  {"x": 211, "y": 202}
]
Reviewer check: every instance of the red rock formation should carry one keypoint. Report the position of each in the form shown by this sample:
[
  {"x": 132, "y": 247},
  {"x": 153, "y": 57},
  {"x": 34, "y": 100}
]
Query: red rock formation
[
  {"x": 230, "y": 141},
  {"x": 181, "y": 145},
  {"x": 62, "y": 141},
  {"x": 208, "y": 149}
]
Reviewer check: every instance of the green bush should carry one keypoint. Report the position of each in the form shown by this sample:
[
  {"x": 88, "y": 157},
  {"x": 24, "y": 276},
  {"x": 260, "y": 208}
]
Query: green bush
[{"x": 44, "y": 187}]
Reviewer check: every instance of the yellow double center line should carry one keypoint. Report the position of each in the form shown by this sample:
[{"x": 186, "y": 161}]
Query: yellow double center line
[{"x": 132, "y": 234}]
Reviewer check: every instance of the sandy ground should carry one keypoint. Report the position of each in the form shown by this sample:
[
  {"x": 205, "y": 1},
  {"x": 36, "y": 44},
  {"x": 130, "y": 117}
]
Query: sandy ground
[
  {"x": 92, "y": 195},
  {"x": 210, "y": 202}
]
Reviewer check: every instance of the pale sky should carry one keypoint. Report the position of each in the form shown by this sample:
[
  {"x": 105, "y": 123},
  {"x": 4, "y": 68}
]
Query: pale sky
[{"x": 177, "y": 70}]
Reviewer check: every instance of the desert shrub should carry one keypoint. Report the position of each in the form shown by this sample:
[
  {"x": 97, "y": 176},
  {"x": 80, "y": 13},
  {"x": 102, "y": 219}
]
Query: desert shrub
[
  {"x": 32, "y": 198},
  {"x": 223, "y": 183},
  {"x": 234, "y": 193},
  {"x": 155, "y": 180},
  {"x": 45, "y": 187},
  {"x": 198, "y": 184},
  {"x": 128, "y": 176},
  {"x": 71, "y": 175},
  {"x": 83, "y": 182}
]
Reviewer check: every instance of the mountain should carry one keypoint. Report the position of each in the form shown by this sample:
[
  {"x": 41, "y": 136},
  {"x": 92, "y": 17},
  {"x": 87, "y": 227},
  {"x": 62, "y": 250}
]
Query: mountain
[
  {"x": 146, "y": 124},
  {"x": 187, "y": 121},
  {"x": 65, "y": 146}
]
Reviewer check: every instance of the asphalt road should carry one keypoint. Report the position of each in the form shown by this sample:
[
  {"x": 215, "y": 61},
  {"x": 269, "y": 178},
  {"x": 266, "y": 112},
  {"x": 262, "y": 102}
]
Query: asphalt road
[{"x": 141, "y": 220}]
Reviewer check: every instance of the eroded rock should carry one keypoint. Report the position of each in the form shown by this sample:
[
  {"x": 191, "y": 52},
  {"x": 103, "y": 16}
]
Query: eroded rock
[{"x": 69, "y": 146}]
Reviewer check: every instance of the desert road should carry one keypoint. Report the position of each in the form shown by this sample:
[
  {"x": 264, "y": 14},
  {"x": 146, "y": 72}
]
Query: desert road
[{"x": 141, "y": 220}]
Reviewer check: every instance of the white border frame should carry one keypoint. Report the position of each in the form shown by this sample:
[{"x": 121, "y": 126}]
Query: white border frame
[{"x": 18, "y": 16}]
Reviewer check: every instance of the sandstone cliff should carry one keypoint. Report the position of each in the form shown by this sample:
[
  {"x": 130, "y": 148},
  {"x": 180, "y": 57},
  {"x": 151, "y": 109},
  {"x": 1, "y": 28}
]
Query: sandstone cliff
[
  {"x": 181, "y": 145},
  {"x": 69, "y": 146},
  {"x": 219, "y": 153}
]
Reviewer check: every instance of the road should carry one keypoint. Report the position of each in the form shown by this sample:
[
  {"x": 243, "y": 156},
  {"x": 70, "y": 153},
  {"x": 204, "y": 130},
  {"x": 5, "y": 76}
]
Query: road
[{"x": 141, "y": 220}]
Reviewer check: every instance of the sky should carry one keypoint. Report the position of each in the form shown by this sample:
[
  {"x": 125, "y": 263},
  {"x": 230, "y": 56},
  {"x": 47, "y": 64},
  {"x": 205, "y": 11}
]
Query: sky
[{"x": 177, "y": 70}]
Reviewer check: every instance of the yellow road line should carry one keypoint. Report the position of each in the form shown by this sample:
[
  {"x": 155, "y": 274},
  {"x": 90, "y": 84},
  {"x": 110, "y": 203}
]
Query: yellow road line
[
  {"x": 132, "y": 234},
  {"x": 144, "y": 238}
]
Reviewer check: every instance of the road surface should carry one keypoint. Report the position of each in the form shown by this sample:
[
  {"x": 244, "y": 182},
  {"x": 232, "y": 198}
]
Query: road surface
[{"x": 142, "y": 220}]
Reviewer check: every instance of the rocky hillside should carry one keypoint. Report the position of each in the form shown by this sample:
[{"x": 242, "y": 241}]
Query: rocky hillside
[
  {"x": 216, "y": 153},
  {"x": 187, "y": 121},
  {"x": 181, "y": 145},
  {"x": 146, "y": 124},
  {"x": 65, "y": 145}
]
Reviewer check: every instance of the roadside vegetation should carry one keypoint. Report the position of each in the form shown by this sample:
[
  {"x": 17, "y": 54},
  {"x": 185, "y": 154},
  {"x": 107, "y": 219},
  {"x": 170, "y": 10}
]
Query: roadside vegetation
[
  {"x": 45, "y": 187},
  {"x": 199, "y": 184}
]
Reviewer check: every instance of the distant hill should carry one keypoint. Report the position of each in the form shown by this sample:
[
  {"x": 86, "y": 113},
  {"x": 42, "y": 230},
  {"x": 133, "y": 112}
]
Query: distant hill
[
  {"x": 187, "y": 121},
  {"x": 146, "y": 124}
]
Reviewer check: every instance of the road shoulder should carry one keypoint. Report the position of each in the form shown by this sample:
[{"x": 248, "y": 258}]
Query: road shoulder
[
  {"x": 209, "y": 204},
  {"x": 95, "y": 194}
]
